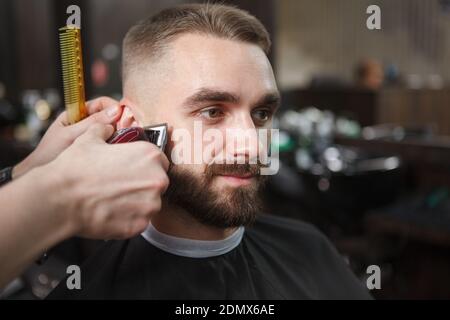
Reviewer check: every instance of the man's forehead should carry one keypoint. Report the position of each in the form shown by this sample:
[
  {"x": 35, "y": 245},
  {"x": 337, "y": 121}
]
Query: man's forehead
[
  {"x": 192, "y": 62},
  {"x": 208, "y": 50},
  {"x": 200, "y": 61}
]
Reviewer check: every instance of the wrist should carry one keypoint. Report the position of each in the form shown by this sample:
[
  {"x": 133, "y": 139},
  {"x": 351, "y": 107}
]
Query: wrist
[{"x": 21, "y": 168}]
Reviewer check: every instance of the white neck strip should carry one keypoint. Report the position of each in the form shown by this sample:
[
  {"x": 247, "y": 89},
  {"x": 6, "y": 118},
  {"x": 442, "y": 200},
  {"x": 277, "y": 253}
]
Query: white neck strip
[{"x": 192, "y": 248}]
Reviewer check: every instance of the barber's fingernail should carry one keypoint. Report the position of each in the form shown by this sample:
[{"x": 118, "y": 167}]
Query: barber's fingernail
[{"x": 112, "y": 111}]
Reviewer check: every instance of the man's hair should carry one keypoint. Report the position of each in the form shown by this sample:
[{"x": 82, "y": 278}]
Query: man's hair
[{"x": 149, "y": 37}]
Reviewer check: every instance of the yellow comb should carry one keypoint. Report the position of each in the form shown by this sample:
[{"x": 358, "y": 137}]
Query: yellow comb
[{"x": 72, "y": 69}]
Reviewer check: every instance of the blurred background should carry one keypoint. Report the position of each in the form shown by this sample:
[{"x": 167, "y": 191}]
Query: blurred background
[{"x": 365, "y": 123}]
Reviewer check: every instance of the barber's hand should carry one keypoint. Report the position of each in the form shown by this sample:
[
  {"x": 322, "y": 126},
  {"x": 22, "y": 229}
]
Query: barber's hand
[
  {"x": 109, "y": 191},
  {"x": 60, "y": 135}
]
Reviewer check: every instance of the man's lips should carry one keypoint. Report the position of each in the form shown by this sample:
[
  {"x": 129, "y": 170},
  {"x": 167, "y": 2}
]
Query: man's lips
[
  {"x": 241, "y": 176},
  {"x": 236, "y": 179}
]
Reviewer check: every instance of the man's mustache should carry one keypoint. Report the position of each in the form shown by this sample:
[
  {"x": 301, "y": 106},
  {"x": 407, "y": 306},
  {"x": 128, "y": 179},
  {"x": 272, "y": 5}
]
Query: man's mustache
[{"x": 235, "y": 169}]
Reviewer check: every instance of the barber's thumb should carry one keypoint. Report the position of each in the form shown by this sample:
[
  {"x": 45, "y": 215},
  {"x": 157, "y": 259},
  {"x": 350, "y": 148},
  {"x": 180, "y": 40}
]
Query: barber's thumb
[
  {"x": 98, "y": 132},
  {"x": 109, "y": 115}
]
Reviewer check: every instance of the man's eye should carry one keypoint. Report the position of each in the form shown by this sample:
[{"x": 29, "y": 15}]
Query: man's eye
[
  {"x": 211, "y": 113},
  {"x": 261, "y": 115}
]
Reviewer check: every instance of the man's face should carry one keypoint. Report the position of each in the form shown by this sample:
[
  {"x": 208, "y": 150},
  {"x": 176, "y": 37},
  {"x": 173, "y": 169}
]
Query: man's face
[{"x": 211, "y": 83}]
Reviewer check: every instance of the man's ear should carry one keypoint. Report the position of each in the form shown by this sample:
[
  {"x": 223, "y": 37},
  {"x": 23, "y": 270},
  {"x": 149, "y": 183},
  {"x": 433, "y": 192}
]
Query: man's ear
[{"x": 128, "y": 118}]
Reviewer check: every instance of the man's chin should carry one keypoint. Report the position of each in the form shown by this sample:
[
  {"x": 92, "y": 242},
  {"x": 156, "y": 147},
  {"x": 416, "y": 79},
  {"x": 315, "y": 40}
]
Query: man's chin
[{"x": 221, "y": 200}]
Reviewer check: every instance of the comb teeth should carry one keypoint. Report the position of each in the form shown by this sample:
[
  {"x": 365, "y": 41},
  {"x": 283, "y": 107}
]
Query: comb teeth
[{"x": 72, "y": 69}]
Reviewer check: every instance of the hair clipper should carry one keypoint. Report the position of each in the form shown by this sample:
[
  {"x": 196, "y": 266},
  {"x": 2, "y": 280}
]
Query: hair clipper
[{"x": 156, "y": 134}]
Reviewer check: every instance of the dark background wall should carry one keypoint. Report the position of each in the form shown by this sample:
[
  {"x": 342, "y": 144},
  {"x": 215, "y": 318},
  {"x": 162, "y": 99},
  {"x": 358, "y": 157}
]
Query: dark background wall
[{"x": 29, "y": 57}]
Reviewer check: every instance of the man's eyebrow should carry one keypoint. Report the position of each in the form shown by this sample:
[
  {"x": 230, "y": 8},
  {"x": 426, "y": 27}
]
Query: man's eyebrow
[
  {"x": 271, "y": 100},
  {"x": 210, "y": 95}
]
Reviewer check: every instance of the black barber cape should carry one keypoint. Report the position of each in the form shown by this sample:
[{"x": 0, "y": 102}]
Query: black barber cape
[{"x": 278, "y": 258}]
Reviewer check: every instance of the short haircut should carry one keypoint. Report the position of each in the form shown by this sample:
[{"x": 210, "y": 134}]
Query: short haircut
[{"x": 149, "y": 37}]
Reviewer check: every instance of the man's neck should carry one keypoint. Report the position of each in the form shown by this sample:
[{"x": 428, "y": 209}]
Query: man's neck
[{"x": 176, "y": 222}]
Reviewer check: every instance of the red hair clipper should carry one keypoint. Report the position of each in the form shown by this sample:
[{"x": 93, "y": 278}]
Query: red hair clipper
[{"x": 156, "y": 134}]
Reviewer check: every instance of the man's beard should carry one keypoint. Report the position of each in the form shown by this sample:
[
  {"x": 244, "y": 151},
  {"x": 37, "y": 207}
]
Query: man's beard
[{"x": 231, "y": 207}]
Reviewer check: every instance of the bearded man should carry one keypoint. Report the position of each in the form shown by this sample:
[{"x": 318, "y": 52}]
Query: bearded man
[{"x": 207, "y": 64}]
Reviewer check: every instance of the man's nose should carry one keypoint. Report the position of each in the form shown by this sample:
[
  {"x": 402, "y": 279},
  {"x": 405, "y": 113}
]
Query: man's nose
[{"x": 242, "y": 140}]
